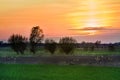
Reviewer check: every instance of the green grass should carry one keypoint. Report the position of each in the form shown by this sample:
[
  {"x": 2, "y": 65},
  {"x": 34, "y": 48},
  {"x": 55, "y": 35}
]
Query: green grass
[
  {"x": 57, "y": 72},
  {"x": 7, "y": 51},
  {"x": 96, "y": 52}
]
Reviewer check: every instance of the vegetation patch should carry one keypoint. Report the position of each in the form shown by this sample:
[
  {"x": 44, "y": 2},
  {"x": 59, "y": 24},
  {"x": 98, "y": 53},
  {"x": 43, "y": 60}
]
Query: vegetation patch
[{"x": 57, "y": 72}]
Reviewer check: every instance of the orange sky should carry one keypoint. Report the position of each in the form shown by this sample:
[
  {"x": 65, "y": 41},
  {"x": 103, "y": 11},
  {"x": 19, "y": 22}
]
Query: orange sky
[{"x": 88, "y": 20}]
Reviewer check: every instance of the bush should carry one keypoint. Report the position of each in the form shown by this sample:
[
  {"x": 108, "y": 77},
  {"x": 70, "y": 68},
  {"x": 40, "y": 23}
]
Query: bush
[
  {"x": 67, "y": 44},
  {"x": 50, "y": 45},
  {"x": 111, "y": 47},
  {"x": 18, "y": 43}
]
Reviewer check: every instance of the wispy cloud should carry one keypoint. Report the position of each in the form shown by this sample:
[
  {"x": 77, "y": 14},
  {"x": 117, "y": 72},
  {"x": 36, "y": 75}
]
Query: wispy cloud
[{"x": 93, "y": 28}]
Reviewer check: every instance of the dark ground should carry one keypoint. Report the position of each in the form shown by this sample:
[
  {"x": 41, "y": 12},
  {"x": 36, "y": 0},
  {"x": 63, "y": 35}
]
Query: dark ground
[{"x": 65, "y": 60}]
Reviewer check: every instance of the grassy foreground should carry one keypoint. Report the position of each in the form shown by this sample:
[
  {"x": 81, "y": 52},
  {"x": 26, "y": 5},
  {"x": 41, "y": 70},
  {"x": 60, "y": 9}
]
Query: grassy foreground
[
  {"x": 57, "y": 72},
  {"x": 7, "y": 51}
]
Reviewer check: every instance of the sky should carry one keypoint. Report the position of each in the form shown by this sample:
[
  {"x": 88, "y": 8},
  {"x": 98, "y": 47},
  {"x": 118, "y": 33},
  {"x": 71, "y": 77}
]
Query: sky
[{"x": 84, "y": 20}]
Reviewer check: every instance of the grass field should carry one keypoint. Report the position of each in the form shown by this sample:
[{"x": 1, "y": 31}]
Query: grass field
[
  {"x": 57, "y": 72},
  {"x": 7, "y": 51}
]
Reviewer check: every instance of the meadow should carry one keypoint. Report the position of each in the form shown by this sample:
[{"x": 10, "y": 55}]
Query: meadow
[
  {"x": 57, "y": 72},
  {"x": 7, "y": 51}
]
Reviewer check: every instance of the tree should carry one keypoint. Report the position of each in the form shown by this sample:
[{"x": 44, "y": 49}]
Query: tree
[
  {"x": 36, "y": 37},
  {"x": 67, "y": 44},
  {"x": 18, "y": 43},
  {"x": 1, "y": 42},
  {"x": 84, "y": 46},
  {"x": 50, "y": 45},
  {"x": 91, "y": 46},
  {"x": 97, "y": 43},
  {"x": 111, "y": 47}
]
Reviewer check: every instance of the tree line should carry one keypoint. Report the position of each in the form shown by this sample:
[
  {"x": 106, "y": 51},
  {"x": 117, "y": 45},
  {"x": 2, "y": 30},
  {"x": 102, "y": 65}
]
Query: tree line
[
  {"x": 19, "y": 43},
  {"x": 66, "y": 45}
]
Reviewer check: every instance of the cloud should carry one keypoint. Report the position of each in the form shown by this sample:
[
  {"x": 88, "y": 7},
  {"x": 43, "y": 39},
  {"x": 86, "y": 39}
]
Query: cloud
[{"x": 93, "y": 28}]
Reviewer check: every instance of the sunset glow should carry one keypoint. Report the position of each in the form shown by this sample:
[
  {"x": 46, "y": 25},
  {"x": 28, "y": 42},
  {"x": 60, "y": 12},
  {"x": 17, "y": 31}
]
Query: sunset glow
[{"x": 92, "y": 19}]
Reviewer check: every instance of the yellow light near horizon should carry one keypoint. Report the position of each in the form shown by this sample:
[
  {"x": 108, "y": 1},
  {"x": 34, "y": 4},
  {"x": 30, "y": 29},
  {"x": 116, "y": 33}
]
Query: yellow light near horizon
[
  {"x": 60, "y": 17},
  {"x": 91, "y": 23},
  {"x": 92, "y": 13},
  {"x": 91, "y": 32}
]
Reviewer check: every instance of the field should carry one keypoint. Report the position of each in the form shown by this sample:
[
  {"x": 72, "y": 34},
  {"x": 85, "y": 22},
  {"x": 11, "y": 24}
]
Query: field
[
  {"x": 7, "y": 51},
  {"x": 57, "y": 72}
]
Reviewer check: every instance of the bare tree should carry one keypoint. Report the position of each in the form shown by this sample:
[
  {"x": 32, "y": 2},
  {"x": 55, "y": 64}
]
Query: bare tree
[{"x": 36, "y": 37}]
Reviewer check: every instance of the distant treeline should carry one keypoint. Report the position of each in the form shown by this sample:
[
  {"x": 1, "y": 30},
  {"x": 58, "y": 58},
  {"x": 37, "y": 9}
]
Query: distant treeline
[
  {"x": 66, "y": 45},
  {"x": 79, "y": 45}
]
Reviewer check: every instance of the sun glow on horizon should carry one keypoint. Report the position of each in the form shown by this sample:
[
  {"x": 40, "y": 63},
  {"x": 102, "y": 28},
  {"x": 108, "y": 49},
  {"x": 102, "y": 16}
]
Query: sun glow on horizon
[
  {"x": 86, "y": 18},
  {"x": 92, "y": 32},
  {"x": 94, "y": 14},
  {"x": 91, "y": 23}
]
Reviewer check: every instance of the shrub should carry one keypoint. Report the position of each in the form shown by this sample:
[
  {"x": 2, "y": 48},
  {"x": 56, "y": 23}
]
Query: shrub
[
  {"x": 50, "y": 45},
  {"x": 111, "y": 47},
  {"x": 18, "y": 43},
  {"x": 67, "y": 44}
]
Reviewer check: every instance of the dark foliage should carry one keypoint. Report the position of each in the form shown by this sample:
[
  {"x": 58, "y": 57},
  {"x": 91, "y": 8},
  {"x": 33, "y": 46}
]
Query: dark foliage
[
  {"x": 18, "y": 43},
  {"x": 67, "y": 44},
  {"x": 111, "y": 47},
  {"x": 1, "y": 42},
  {"x": 92, "y": 48},
  {"x": 88, "y": 46},
  {"x": 36, "y": 38},
  {"x": 50, "y": 45},
  {"x": 84, "y": 46},
  {"x": 97, "y": 43}
]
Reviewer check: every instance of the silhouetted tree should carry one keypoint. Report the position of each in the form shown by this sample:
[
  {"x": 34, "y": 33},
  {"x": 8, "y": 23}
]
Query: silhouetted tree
[
  {"x": 36, "y": 37},
  {"x": 84, "y": 45},
  {"x": 111, "y": 47},
  {"x": 91, "y": 46},
  {"x": 97, "y": 43},
  {"x": 67, "y": 44},
  {"x": 50, "y": 45},
  {"x": 1, "y": 42},
  {"x": 18, "y": 43}
]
